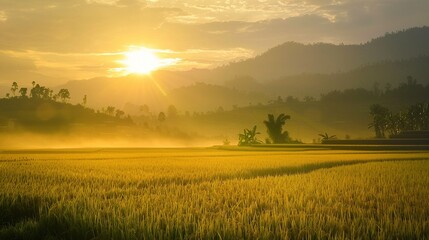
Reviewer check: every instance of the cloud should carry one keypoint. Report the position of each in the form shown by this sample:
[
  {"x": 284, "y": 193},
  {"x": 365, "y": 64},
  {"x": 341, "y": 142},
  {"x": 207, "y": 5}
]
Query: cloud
[
  {"x": 251, "y": 10},
  {"x": 75, "y": 37},
  {"x": 9, "y": 63},
  {"x": 112, "y": 25},
  {"x": 360, "y": 20},
  {"x": 89, "y": 65},
  {"x": 106, "y": 2},
  {"x": 72, "y": 65},
  {"x": 81, "y": 27},
  {"x": 16, "y": 69},
  {"x": 258, "y": 36}
]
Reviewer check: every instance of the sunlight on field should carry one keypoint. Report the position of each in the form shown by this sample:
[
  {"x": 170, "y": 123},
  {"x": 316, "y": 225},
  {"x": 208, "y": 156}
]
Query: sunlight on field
[{"x": 212, "y": 194}]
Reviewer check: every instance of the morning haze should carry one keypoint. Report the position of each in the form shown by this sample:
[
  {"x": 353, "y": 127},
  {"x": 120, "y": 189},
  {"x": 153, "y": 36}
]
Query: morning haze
[{"x": 261, "y": 119}]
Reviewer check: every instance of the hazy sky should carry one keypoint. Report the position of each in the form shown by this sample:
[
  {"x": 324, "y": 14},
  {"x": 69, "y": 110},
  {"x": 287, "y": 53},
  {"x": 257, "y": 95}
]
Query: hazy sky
[{"x": 85, "y": 38}]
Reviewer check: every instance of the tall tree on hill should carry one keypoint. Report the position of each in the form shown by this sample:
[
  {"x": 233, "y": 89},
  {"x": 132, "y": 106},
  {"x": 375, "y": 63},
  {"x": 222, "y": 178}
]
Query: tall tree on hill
[
  {"x": 275, "y": 128},
  {"x": 23, "y": 92},
  {"x": 64, "y": 94},
  {"x": 41, "y": 92},
  {"x": 84, "y": 100},
  {"x": 14, "y": 88}
]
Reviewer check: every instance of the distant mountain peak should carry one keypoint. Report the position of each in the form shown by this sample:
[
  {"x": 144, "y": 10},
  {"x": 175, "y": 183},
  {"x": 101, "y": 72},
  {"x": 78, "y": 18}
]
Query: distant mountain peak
[{"x": 293, "y": 58}]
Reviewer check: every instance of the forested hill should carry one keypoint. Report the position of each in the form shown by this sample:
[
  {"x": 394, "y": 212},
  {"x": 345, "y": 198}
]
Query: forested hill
[
  {"x": 47, "y": 115},
  {"x": 383, "y": 75},
  {"x": 242, "y": 91},
  {"x": 293, "y": 58},
  {"x": 291, "y": 69}
]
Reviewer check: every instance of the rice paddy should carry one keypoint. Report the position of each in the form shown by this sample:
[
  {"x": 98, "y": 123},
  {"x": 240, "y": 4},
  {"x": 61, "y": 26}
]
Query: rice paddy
[{"x": 198, "y": 193}]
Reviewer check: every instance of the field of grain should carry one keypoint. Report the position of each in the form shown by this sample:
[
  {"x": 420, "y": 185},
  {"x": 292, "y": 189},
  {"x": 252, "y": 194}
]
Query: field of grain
[{"x": 213, "y": 194}]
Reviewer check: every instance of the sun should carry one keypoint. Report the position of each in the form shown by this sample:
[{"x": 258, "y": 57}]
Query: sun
[
  {"x": 144, "y": 61},
  {"x": 141, "y": 61}
]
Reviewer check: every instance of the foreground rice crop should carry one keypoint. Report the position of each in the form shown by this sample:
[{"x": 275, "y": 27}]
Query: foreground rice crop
[{"x": 213, "y": 194}]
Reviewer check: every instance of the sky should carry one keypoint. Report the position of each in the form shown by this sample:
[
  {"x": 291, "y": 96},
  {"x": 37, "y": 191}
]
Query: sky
[{"x": 81, "y": 39}]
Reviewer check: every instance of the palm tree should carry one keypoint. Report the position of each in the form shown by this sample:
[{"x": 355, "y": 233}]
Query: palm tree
[
  {"x": 248, "y": 137},
  {"x": 326, "y": 136},
  {"x": 275, "y": 128}
]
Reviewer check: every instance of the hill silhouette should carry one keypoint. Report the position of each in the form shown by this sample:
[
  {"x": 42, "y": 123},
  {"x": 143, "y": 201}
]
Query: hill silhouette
[
  {"x": 46, "y": 115},
  {"x": 292, "y": 58},
  {"x": 158, "y": 93},
  {"x": 344, "y": 113},
  {"x": 242, "y": 90},
  {"x": 291, "y": 69},
  {"x": 382, "y": 75}
]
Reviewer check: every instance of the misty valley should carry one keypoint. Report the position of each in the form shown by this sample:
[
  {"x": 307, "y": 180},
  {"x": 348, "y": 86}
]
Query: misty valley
[{"x": 214, "y": 120}]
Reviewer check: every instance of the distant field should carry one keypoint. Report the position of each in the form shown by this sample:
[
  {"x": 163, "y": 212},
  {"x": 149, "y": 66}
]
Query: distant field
[{"x": 213, "y": 194}]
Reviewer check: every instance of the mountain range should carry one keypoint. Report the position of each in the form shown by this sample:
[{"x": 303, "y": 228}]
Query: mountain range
[
  {"x": 293, "y": 58},
  {"x": 289, "y": 69}
]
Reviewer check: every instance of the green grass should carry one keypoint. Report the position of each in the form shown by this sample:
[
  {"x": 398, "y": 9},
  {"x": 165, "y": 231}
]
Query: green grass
[{"x": 213, "y": 194}]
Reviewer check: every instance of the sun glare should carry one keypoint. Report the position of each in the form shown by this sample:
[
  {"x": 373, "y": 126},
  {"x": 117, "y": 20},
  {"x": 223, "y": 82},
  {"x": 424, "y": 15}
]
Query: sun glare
[{"x": 144, "y": 61}]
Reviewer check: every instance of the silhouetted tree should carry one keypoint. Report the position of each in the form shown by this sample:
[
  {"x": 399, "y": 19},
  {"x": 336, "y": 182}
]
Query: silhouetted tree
[
  {"x": 379, "y": 116},
  {"x": 84, "y": 100},
  {"x": 109, "y": 110},
  {"x": 35, "y": 91},
  {"x": 396, "y": 123},
  {"x": 248, "y": 137},
  {"x": 119, "y": 113},
  {"x": 14, "y": 88},
  {"x": 64, "y": 94},
  {"x": 326, "y": 136},
  {"x": 161, "y": 117},
  {"x": 23, "y": 92},
  {"x": 418, "y": 117},
  {"x": 40, "y": 92},
  {"x": 275, "y": 128}
]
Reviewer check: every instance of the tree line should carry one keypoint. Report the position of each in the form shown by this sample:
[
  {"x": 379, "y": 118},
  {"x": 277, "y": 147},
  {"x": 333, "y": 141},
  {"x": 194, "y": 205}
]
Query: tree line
[
  {"x": 38, "y": 92},
  {"x": 384, "y": 121},
  {"x": 40, "y": 109},
  {"x": 44, "y": 93}
]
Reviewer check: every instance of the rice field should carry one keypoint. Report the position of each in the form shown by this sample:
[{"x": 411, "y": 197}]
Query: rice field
[{"x": 207, "y": 193}]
